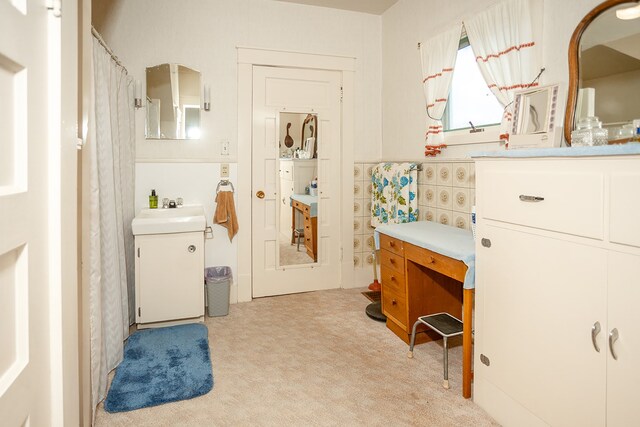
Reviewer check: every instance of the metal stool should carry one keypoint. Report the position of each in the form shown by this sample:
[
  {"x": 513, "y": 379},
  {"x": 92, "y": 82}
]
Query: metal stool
[
  {"x": 444, "y": 324},
  {"x": 297, "y": 234}
]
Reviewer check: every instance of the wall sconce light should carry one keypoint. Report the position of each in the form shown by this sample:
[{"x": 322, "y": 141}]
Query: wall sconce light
[
  {"x": 137, "y": 102},
  {"x": 207, "y": 98}
]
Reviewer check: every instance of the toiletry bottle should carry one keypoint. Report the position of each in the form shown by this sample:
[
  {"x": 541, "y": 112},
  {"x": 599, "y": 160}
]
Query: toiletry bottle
[
  {"x": 636, "y": 128},
  {"x": 153, "y": 200}
]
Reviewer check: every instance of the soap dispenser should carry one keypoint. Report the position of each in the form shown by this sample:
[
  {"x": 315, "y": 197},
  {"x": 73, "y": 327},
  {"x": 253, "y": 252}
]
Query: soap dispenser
[{"x": 153, "y": 200}]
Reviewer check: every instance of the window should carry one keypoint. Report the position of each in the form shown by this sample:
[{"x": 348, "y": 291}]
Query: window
[{"x": 470, "y": 100}]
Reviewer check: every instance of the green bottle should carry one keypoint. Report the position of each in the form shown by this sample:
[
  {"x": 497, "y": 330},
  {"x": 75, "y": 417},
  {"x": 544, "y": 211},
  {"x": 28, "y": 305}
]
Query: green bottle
[{"x": 153, "y": 200}]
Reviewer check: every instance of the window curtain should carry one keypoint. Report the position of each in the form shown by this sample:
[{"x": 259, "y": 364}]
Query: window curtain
[
  {"x": 438, "y": 57},
  {"x": 110, "y": 199},
  {"x": 502, "y": 38}
]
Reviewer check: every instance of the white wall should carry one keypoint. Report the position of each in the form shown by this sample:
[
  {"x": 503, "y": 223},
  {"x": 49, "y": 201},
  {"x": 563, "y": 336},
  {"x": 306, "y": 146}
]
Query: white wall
[
  {"x": 204, "y": 34},
  {"x": 411, "y": 21}
]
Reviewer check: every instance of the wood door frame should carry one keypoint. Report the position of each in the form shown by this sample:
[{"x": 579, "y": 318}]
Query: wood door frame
[{"x": 247, "y": 59}]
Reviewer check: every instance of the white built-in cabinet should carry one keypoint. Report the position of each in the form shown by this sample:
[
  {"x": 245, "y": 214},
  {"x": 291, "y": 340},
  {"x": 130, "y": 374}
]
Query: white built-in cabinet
[
  {"x": 557, "y": 272},
  {"x": 295, "y": 175},
  {"x": 169, "y": 278}
]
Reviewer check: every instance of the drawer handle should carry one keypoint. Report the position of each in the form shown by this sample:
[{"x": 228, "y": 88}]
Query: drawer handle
[
  {"x": 532, "y": 199},
  {"x": 393, "y": 278},
  {"x": 431, "y": 260},
  {"x": 392, "y": 261},
  {"x": 392, "y": 244},
  {"x": 394, "y": 302},
  {"x": 613, "y": 337}
]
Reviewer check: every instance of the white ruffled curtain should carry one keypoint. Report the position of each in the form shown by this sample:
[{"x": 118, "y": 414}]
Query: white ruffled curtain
[
  {"x": 502, "y": 38},
  {"x": 110, "y": 258},
  {"x": 438, "y": 57}
]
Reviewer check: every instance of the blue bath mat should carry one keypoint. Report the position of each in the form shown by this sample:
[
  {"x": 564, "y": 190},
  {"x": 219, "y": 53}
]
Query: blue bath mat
[{"x": 161, "y": 365}]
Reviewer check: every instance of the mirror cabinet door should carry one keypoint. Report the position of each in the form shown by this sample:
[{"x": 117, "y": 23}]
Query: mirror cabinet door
[
  {"x": 173, "y": 102},
  {"x": 298, "y": 172},
  {"x": 604, "y": 70}
]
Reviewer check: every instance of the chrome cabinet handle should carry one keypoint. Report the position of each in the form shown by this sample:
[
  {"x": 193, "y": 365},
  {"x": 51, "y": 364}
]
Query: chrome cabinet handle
[
  {"x": 613, "y": 337},
  {"x": 525, "y": 198},
  {"x": 595, "y": 330}
]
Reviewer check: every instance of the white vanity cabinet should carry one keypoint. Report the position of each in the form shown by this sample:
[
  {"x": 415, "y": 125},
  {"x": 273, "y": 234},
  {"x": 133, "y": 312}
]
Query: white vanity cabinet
[
  {"x": 295, "y": 175},
  {"x": 557, "y": 259},
  {"x": 169, "y": 278}
]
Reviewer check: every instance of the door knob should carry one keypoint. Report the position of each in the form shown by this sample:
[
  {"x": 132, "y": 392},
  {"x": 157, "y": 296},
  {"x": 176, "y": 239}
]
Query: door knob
[{"x": 260, "y": 194}]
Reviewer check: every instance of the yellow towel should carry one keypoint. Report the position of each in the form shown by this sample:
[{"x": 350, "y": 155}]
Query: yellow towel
[{"x": 226, "y": 213}]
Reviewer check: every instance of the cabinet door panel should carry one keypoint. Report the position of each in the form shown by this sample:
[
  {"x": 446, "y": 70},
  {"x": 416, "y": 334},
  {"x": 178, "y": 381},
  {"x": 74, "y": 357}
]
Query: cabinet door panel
[
  {"x": 171, "y": 277},
  {"x": 623, "y": 374},
  {"x": 540, "y": 297}
]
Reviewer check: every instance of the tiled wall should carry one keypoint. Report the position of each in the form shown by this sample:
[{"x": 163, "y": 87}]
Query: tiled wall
[{"x": 446, "y": 193}]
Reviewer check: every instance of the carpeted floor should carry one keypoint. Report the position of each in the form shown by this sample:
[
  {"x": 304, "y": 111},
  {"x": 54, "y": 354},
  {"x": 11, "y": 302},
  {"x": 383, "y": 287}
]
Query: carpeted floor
[{"x": 315, "y": 359}]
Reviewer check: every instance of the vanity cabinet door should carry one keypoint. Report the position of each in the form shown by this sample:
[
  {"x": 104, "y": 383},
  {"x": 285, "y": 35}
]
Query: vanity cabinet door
[
  {"x": 169, "y": 277},
  {"x": 623, "y": 373},
  {"x": 537, "y": 299}
]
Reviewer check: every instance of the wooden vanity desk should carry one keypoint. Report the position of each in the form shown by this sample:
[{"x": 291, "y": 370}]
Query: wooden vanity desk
[
  {"x": 307, "y": 206},
  {"x": 417, "y": 281}
]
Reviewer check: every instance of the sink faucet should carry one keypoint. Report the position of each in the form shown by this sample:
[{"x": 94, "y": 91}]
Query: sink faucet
[{"x": 171, "y": 204}]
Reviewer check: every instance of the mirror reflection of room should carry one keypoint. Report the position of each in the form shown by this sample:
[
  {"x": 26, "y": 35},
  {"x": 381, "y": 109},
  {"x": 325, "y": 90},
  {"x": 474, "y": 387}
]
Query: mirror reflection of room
[
  {"x": 173, "y": 102},
  {"x": 610, "y": 74},
  {"x": 298, "y": 241}
]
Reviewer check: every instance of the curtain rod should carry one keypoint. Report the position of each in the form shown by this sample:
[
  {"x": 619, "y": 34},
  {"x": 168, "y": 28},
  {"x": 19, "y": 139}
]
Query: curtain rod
[{"x": 104, "y": 44}]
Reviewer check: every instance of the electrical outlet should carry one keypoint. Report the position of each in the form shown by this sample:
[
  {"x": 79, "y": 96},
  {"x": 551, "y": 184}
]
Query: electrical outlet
[
  {"x": 224, "y": 170},
  {"x": 224, "y": 148}
]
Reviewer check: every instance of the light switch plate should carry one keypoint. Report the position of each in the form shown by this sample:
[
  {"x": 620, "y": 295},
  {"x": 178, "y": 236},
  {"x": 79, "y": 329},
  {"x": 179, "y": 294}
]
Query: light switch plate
[{"x": 224, "y": 170}]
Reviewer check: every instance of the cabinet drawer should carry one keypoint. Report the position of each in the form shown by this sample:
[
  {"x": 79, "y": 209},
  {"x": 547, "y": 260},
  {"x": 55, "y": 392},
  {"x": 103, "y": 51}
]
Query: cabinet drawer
[
  {"x": 392, "y": 261},
  {"x": 393, "y": 280},
  {"x": 450, "y": 267},
  {"x": 554, "y": 198},
  {"x": 391, "y": 244},
  {"x": 394, "y": 306},
  {"x": 286, "y": 169}
]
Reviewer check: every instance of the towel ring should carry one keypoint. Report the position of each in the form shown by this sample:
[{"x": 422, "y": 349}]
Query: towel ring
[{"x": 225, "y": 182}]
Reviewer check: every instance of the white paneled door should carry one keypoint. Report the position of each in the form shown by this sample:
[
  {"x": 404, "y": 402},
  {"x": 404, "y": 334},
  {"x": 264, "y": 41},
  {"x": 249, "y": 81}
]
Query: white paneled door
[
  {"x": 277, "y": 90},
  {"x": 29, "y": 338}
]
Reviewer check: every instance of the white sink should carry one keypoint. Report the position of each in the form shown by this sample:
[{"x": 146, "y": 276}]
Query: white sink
[{"x": 176, "y": 220}]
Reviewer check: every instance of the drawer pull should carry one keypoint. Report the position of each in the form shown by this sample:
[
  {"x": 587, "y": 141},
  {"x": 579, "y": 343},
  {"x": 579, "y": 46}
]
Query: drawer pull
[
  {"x": 392, "y": 261},
  {"x": 431, "y": 260},
  {"x": 532, "y": 199},
  {"x": 394, "y": 302},
  {"x": 392, "y": 243},
  {"x": 393, "y": 278}
]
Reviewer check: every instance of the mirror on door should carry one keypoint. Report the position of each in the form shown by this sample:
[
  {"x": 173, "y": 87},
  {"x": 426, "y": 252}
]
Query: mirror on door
[{"x": 298, "y": 167}]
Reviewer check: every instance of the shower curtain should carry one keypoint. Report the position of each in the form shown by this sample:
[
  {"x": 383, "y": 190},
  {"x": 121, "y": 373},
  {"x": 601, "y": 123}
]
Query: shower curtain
[{"x": 110, "y": 256}]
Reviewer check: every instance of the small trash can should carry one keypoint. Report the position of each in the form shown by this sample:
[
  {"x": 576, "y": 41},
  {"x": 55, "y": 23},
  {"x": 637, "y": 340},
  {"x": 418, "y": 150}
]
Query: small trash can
[{"x": 218, "y": 283}]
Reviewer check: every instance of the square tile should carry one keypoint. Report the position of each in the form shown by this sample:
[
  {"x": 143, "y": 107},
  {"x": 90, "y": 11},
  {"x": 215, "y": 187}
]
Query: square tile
[
  {"x": 367, "y": 190},
  {"x": 358, "y": 226},
  {"x": 369, "y": 243},
  {"x": 357, "y": 208},
  {"x": 462, "y": 220},
  {"x": 430, "y": 214},
  {"x": 429, "y": 170},
  {"x": 461, "y": 175},
  {"x": 368, "y": 170},
  {"x": 357, "y": 261},
  {"x": 461, "y": 200},
  {"x": 358, "y": 243},
  {"x": 444, "y": 216},
  {"x": 430, "y": 195},
  {"x": 358, "y": 190},
  {"x": 443, "y": 174},
  {"x": 444, "y": 197},
  {"x": 358, "y": 172}
]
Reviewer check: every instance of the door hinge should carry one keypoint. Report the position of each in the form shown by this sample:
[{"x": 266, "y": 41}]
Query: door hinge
[
  {"x": 55, "y": 6},
  {"x": 139, "y": 311},
  {"x": 341, "y": 93},
  {"x": 138, "y": 252}
]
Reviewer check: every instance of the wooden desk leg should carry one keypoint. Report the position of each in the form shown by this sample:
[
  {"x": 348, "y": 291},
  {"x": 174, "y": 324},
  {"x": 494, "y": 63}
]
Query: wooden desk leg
[
  {"x": 293, "y": 223},
  {"x": 467, "y": 351}
]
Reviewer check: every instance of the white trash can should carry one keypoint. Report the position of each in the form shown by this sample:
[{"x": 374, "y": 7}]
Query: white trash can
[{"x": 218, "y": 285}]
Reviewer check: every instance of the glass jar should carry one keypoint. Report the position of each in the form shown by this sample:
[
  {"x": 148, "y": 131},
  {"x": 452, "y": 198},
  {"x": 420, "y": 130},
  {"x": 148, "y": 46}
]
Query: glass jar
[{"x": 589, "y": 132}]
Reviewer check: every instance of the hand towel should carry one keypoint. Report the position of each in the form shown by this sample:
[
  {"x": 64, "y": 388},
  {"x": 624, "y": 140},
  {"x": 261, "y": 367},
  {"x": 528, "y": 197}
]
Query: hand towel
[
  {"x": 226, "y": 213},
  {"x": 394, "y": 193}
]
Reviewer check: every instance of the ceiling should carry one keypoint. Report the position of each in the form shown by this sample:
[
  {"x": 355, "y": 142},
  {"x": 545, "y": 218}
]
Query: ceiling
[{"x": 375, "y": 7}]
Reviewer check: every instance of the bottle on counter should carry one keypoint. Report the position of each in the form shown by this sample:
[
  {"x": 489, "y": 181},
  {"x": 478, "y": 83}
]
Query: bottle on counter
[{"x": 153, "y": 200}]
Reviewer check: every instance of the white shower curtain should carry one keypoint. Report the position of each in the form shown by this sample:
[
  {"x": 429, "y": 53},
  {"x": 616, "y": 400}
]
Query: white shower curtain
[{"x": 111, "y": 253}]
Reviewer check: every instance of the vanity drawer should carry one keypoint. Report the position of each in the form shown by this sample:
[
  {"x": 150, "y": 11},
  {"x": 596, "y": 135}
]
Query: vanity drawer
[
  {"x": 393, "y": 280},
  {"x": 391, "y": 244},
  {"x": 286, "y": 169},
  {"x": 394, "y": 306},
  {"x": 392, "y": 261},
  {"x": 450, "y": 267},
  {"x": 547, "y": 195}
]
